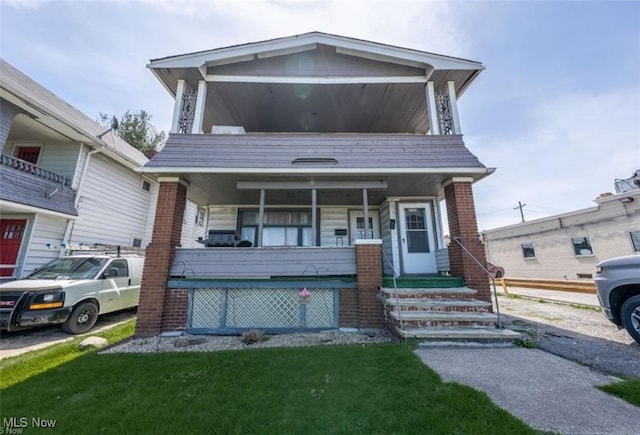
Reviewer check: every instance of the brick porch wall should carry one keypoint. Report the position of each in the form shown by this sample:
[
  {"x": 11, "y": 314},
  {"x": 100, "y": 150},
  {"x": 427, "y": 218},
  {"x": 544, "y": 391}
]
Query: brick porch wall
[
  {"x": 369, "y": 268},
  {"x": 463, "y": 225},
  {"x": 348, "y": 308},
  {"x": 155, "y": 300}
]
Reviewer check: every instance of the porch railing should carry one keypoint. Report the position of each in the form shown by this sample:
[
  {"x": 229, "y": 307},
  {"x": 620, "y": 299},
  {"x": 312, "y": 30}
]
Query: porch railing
[
  {"x": 249, "y": 263},
  {"x": 491, "y": 277},
  {"x": 30, "y": 168}
]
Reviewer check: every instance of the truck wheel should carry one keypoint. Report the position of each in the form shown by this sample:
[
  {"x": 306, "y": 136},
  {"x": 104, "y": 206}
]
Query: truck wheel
[
  {"x": 630, "y": 314},
  {"x": 82, "y": 318}
]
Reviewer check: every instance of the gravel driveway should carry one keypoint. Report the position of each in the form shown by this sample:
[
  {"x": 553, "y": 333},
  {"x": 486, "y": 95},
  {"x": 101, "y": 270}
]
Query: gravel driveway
[{"x": 580, "y": 334}]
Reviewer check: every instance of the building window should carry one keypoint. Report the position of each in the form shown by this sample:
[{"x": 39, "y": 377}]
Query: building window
[
  {"x": 528, "y": 251},
  {"x": 200, "y": 215},
  {"x": 635, "y": 240},
  {"x": 146, "y": 186},
  {"x": 137, "y": 243},
  {"x": 280, "y": 228},
  {"x": 582, "y": 246},
  {"x": 28, "y": 154}
]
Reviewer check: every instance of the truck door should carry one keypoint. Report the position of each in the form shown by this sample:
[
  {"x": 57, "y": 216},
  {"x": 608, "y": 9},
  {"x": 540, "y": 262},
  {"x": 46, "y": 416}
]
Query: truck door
[{"x": 116, "y": 286}]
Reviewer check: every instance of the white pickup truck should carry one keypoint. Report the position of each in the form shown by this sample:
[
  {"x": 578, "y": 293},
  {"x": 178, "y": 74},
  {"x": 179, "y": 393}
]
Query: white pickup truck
[
  {"x": 618, "y": 284},
  {"x": 73, "y": 291}
]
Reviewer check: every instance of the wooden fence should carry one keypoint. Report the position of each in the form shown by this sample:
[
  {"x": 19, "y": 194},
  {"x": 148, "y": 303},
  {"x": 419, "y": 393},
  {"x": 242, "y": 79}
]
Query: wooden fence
[{"x": 564, "y": 285}]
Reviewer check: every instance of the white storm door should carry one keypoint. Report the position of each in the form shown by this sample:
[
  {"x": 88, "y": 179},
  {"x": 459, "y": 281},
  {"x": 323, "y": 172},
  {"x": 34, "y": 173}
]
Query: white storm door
[{"x": 417, "y": 238}]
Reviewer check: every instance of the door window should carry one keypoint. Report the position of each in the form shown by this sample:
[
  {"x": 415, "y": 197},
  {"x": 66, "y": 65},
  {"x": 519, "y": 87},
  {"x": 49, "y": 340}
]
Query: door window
[{"x": 415, "y": 225}]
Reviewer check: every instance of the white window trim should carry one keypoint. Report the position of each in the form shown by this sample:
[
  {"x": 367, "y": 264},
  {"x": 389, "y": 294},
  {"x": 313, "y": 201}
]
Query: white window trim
[{"x": 633, "y": 248}]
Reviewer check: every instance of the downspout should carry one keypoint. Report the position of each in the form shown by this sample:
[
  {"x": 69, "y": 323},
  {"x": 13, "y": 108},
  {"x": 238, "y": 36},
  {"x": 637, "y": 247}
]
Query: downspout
[{"x": 70, "y": 222}]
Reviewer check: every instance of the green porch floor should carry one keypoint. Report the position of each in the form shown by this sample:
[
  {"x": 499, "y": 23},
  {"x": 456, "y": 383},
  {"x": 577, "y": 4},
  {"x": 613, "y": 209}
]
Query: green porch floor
[{"x": 424, "y": 281}]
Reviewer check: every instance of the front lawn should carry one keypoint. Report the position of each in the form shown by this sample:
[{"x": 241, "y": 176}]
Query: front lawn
[
  {"x": 21, "y": 367},
  {"x": 628, "y": 390},
  {"x": 337, "y": 389}
]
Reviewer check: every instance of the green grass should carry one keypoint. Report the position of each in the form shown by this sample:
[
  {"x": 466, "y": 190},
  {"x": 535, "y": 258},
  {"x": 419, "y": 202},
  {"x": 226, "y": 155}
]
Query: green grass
[
  {"x": 628, "y": 390},
  {"x": 338, "y": 389},
  {"x": 22, "y": 367}
]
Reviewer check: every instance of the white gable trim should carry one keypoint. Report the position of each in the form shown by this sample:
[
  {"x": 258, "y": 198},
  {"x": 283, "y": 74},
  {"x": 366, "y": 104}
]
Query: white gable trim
[
  {"x": 315, "y": 80},
  {"x": 403, "y": 56}
]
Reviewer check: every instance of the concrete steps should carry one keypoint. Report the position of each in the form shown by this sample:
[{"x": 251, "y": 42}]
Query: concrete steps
[{"x": 443, "y": 315}]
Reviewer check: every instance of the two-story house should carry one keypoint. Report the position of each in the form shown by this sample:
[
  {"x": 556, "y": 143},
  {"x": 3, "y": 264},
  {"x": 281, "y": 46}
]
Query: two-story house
[
  {"x": 64, "y": 182},
  {"x": 319, "y": 162}
]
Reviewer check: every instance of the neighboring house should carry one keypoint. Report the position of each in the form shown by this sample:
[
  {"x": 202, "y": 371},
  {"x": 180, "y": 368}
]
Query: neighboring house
[
  {"x": 312, "y": 159},
  {"x": 569, "y": 245},
  {"x": 62, "y": 182}
]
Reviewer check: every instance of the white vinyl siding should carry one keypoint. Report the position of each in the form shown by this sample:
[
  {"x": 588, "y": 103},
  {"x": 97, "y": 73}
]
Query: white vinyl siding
[
  {"x": 390, "y": 250},
  {"x": 223, "y": 218},
  {"x": 44, "y": 245},
  {"x": 82, "y": 157},
  {"x": 112, "y": 208},
  {"x": 60, "y": 158},
  {"x": 331, "y": 219},
  {"x": 190, "y": 229}
]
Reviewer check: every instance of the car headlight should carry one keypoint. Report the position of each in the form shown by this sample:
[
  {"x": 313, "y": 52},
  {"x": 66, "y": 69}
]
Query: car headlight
[
  {"x": 599, "y": 270},
  {"x": 47, "y": 300}
]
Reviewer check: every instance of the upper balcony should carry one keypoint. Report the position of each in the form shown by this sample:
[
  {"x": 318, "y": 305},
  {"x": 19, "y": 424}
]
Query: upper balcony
[
  {"x": 316, "y": 83},
  {"x": 33, "y": 187}
]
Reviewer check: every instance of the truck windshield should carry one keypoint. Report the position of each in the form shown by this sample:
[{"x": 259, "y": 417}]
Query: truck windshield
[{"x": 70, "y": 268}]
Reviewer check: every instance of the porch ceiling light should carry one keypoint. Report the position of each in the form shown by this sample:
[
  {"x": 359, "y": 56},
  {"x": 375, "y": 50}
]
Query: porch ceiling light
[
  {"x": 313, "y": 160},
  {"x": 626, "y": 200}
]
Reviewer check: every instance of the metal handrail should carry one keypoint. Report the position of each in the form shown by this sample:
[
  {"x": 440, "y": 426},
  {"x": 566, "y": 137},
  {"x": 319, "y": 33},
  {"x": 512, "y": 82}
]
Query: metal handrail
[
  {"x": 395, "y": 292},
  {"x": 493, "y": 280}
]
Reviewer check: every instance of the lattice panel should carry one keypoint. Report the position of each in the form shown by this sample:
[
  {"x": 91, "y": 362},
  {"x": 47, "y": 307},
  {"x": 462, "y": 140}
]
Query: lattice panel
[
  {"x": 207, "y": 307},
  {"x": 320, "y": 309},
  {"x": 247, "y": 308}
]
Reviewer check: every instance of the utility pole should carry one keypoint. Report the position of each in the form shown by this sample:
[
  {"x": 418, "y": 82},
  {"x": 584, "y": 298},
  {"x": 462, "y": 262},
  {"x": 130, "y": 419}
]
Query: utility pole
[{"x": 520, "y": 206}]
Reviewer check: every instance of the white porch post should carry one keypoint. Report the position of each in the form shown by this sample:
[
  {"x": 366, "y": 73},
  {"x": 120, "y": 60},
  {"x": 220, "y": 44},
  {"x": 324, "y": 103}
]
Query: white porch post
[
  {"x": 434, "y": 126},
  {"x": 365, "y": 205},
  {"x": 177, "y": 107},
  {"x": 198, "y": 118},
  {"x": 261, "y": 217},
  {"x": 453, "y": 106},
  {"x": 314, "y": 224}
]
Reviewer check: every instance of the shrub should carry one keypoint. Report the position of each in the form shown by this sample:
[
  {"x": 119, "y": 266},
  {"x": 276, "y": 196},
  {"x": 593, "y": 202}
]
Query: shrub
[{"x": 251, "y": 337}]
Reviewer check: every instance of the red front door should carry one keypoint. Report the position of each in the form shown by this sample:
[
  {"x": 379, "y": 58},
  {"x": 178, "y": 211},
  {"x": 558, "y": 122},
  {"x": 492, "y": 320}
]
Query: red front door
[{"x": 11, "y": 231}]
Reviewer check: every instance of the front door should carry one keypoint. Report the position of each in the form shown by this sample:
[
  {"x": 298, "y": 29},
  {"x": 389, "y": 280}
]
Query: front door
[
  {"x": 11, "y": 231},
  {"x": 417, "y": 238}
]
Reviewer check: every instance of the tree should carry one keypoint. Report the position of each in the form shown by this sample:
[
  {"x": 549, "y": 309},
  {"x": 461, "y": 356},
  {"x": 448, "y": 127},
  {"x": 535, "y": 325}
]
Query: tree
[{"x": 137, "y": 130}]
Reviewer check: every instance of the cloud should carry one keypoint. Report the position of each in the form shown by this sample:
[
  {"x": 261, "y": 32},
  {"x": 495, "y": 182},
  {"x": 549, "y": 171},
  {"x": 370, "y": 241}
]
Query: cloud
[
  {"x": 569, "y": 145},
  {"x": 24, "y": 4}
]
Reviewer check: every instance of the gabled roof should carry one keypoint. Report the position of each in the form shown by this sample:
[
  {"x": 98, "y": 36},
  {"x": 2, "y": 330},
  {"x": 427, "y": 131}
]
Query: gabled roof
[
  {"x": 52, "y": 111},
  {"x": 315, "y": 82},
  {"x": 289, "y": 44}
]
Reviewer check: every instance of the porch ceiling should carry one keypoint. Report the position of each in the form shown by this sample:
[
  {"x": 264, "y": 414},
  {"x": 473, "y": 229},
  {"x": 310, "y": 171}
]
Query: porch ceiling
[{"x": 206, "y": 189}]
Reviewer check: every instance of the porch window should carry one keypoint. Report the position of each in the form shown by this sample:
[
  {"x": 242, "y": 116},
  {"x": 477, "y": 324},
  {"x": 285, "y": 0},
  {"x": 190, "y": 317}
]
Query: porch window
[{"x": 280, "y": 228}]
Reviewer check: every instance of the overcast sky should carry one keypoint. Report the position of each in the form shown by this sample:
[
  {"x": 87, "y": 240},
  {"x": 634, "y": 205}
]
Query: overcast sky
[{"x": 557, "y": 110}]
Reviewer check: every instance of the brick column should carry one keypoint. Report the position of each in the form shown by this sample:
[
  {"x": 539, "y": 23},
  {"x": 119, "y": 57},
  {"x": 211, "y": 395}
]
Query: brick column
[
  {"x": 463, "y": 225},
  {"x": 167, "y": 231},
  {"x": 369, "y": 267}
]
